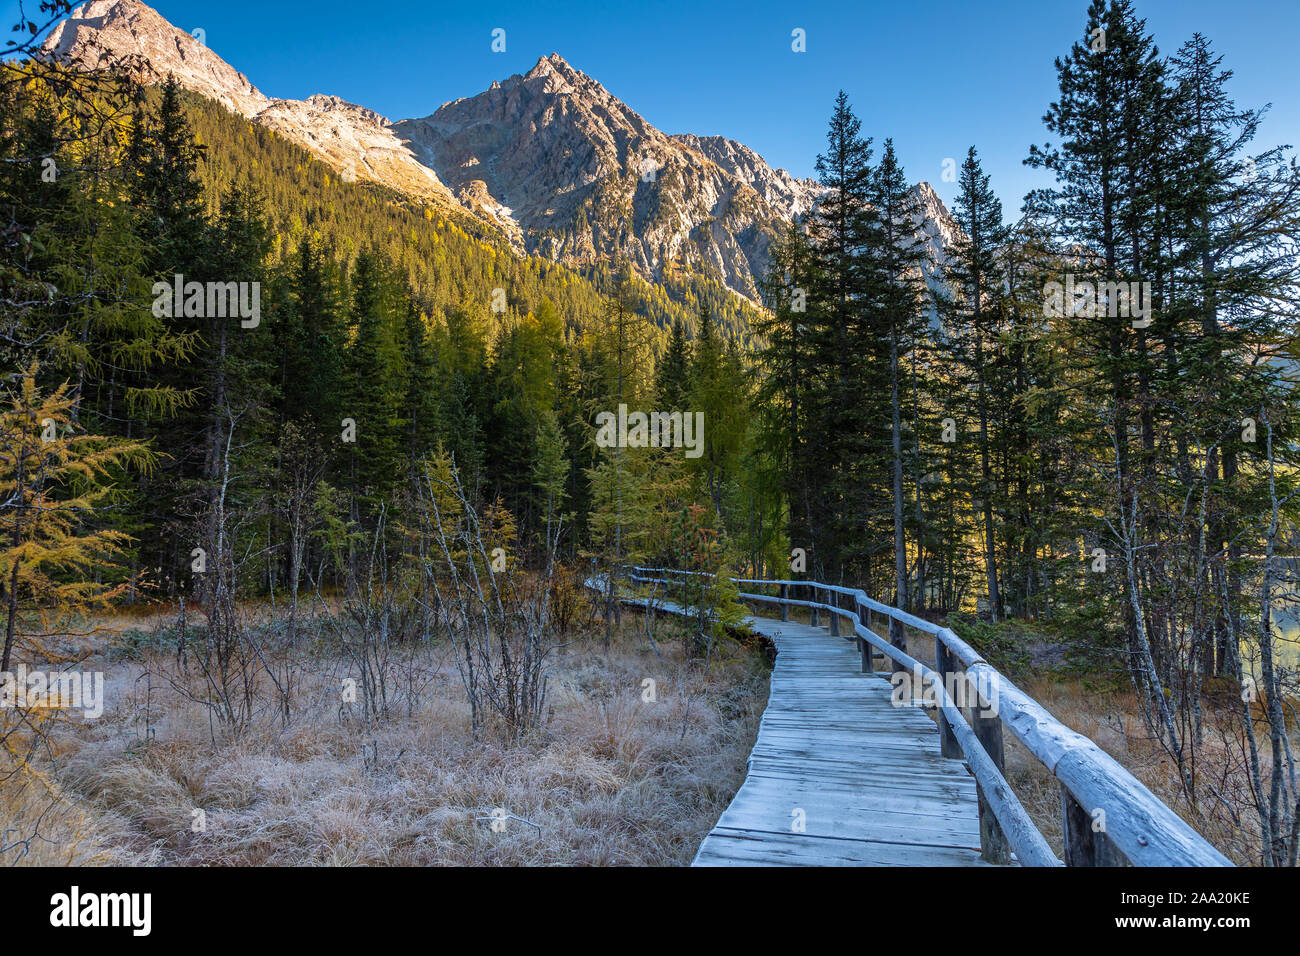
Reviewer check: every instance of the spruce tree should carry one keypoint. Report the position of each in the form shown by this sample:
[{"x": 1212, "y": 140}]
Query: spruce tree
[
  {"x": 164, "y": 160},
  {"x": 1110, "y": 90},
  {"x": 894, "y": 260},
  {"x": 374, "y": 374},
  {"x": 785, "y": 354},
  {"x": 717, "y": 388},
  {"x": 1234, "y": 276},
  {"x": 844, "y": 360},
  {"x": 973, "y": 319},
  {"x": 672, "y": 373},
  {"x": 419, "y": 407}
]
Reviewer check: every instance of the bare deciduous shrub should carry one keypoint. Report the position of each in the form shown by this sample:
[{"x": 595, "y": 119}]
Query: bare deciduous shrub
[{"x": 498, "y": 620}]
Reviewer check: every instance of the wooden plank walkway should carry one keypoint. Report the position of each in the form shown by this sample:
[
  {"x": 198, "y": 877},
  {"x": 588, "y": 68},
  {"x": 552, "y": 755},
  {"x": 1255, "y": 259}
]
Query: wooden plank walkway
[{"x": 867, "y": 776}]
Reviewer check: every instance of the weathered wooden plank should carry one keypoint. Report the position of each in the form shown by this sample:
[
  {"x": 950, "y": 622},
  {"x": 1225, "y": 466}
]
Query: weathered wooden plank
[
  {"x": 919, "y": 777},
  {"x": 726, "y": 847},
  {"x": 871, "y": 816}
]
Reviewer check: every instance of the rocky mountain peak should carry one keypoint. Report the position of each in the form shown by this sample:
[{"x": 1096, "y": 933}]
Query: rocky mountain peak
[
  {"x": 328, "y": 103},
  {"x": 551, "y": 64},
  {"x": 789, "y": 195},
  {"x": 354, "y": 140},
  {"x": 567, "y": 161},
  {"x": 551, "y": 159},
  {"x": 935, "y": 226},
  {"x": 106, "y": 32}
]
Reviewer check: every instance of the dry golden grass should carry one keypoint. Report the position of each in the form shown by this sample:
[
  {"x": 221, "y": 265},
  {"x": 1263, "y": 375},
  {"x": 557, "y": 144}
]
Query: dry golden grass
[
  {"x": 46, "y": 826},
  {"x": 608, "y": 778}
]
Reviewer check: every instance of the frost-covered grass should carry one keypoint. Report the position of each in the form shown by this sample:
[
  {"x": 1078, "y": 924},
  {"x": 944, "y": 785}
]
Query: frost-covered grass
[{"x": 608, "y": 777}]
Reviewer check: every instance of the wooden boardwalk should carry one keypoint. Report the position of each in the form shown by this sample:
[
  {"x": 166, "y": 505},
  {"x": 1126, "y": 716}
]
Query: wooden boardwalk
[{"x": 841, "y": 777}]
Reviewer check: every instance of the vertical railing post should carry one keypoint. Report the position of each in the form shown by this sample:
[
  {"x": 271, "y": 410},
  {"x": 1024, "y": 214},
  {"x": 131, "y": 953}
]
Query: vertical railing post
[
  {"x": 833, "y": 598},
  {"x": 785, "y": 608},
  {"x": 898, "y": 638},
  {"x": 1084, "y": 836},
  {"x": 948, "y": 745},
  {"x": 871, "y": 648},
  {"x": 815, "y": 618},
  {"x": 988, "y": 731},
  {"x": 864, "y": 649}
]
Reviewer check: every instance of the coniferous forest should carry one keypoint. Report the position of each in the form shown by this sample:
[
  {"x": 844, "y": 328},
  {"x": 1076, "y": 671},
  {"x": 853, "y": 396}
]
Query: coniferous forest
[{"x": 375, "y": 465}]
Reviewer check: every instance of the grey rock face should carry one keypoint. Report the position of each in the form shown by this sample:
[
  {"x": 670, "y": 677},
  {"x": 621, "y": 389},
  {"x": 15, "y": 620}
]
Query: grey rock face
[{"x": 551, "y": 159}]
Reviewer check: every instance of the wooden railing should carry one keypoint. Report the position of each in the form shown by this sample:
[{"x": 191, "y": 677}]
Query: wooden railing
[{"x": 1108, "y": 818}]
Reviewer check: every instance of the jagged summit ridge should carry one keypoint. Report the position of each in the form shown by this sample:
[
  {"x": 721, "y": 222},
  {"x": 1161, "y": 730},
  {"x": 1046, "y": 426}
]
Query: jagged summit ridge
[
  {"x": 790, "y": 196},
  {"x": 550, "y": 158},
  {"x": 585, "y": 177},
  {"x": 354, "y": 140},
  {"x": 123, "y": 27}
]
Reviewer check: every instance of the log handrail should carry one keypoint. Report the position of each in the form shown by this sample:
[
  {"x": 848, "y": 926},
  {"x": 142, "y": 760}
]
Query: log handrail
[{"x": 1133, "y": 827}]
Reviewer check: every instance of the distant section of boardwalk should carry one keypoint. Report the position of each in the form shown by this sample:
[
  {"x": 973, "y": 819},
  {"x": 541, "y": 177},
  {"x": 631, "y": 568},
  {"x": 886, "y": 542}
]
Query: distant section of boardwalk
[{"x": 841, "y": 777}]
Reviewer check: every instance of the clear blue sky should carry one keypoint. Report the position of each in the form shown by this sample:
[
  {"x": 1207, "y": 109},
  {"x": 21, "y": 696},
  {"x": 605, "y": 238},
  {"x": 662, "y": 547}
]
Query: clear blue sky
[{"x": 937, "y": 75}]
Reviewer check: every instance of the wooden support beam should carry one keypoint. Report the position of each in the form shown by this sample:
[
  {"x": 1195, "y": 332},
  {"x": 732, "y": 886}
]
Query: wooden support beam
[
  {"x": 898, "y": 638},
  {"x": 948, "y": 745},
  {"x": 1083, "y": 830},
  {"x": 988, "y": 730}
]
